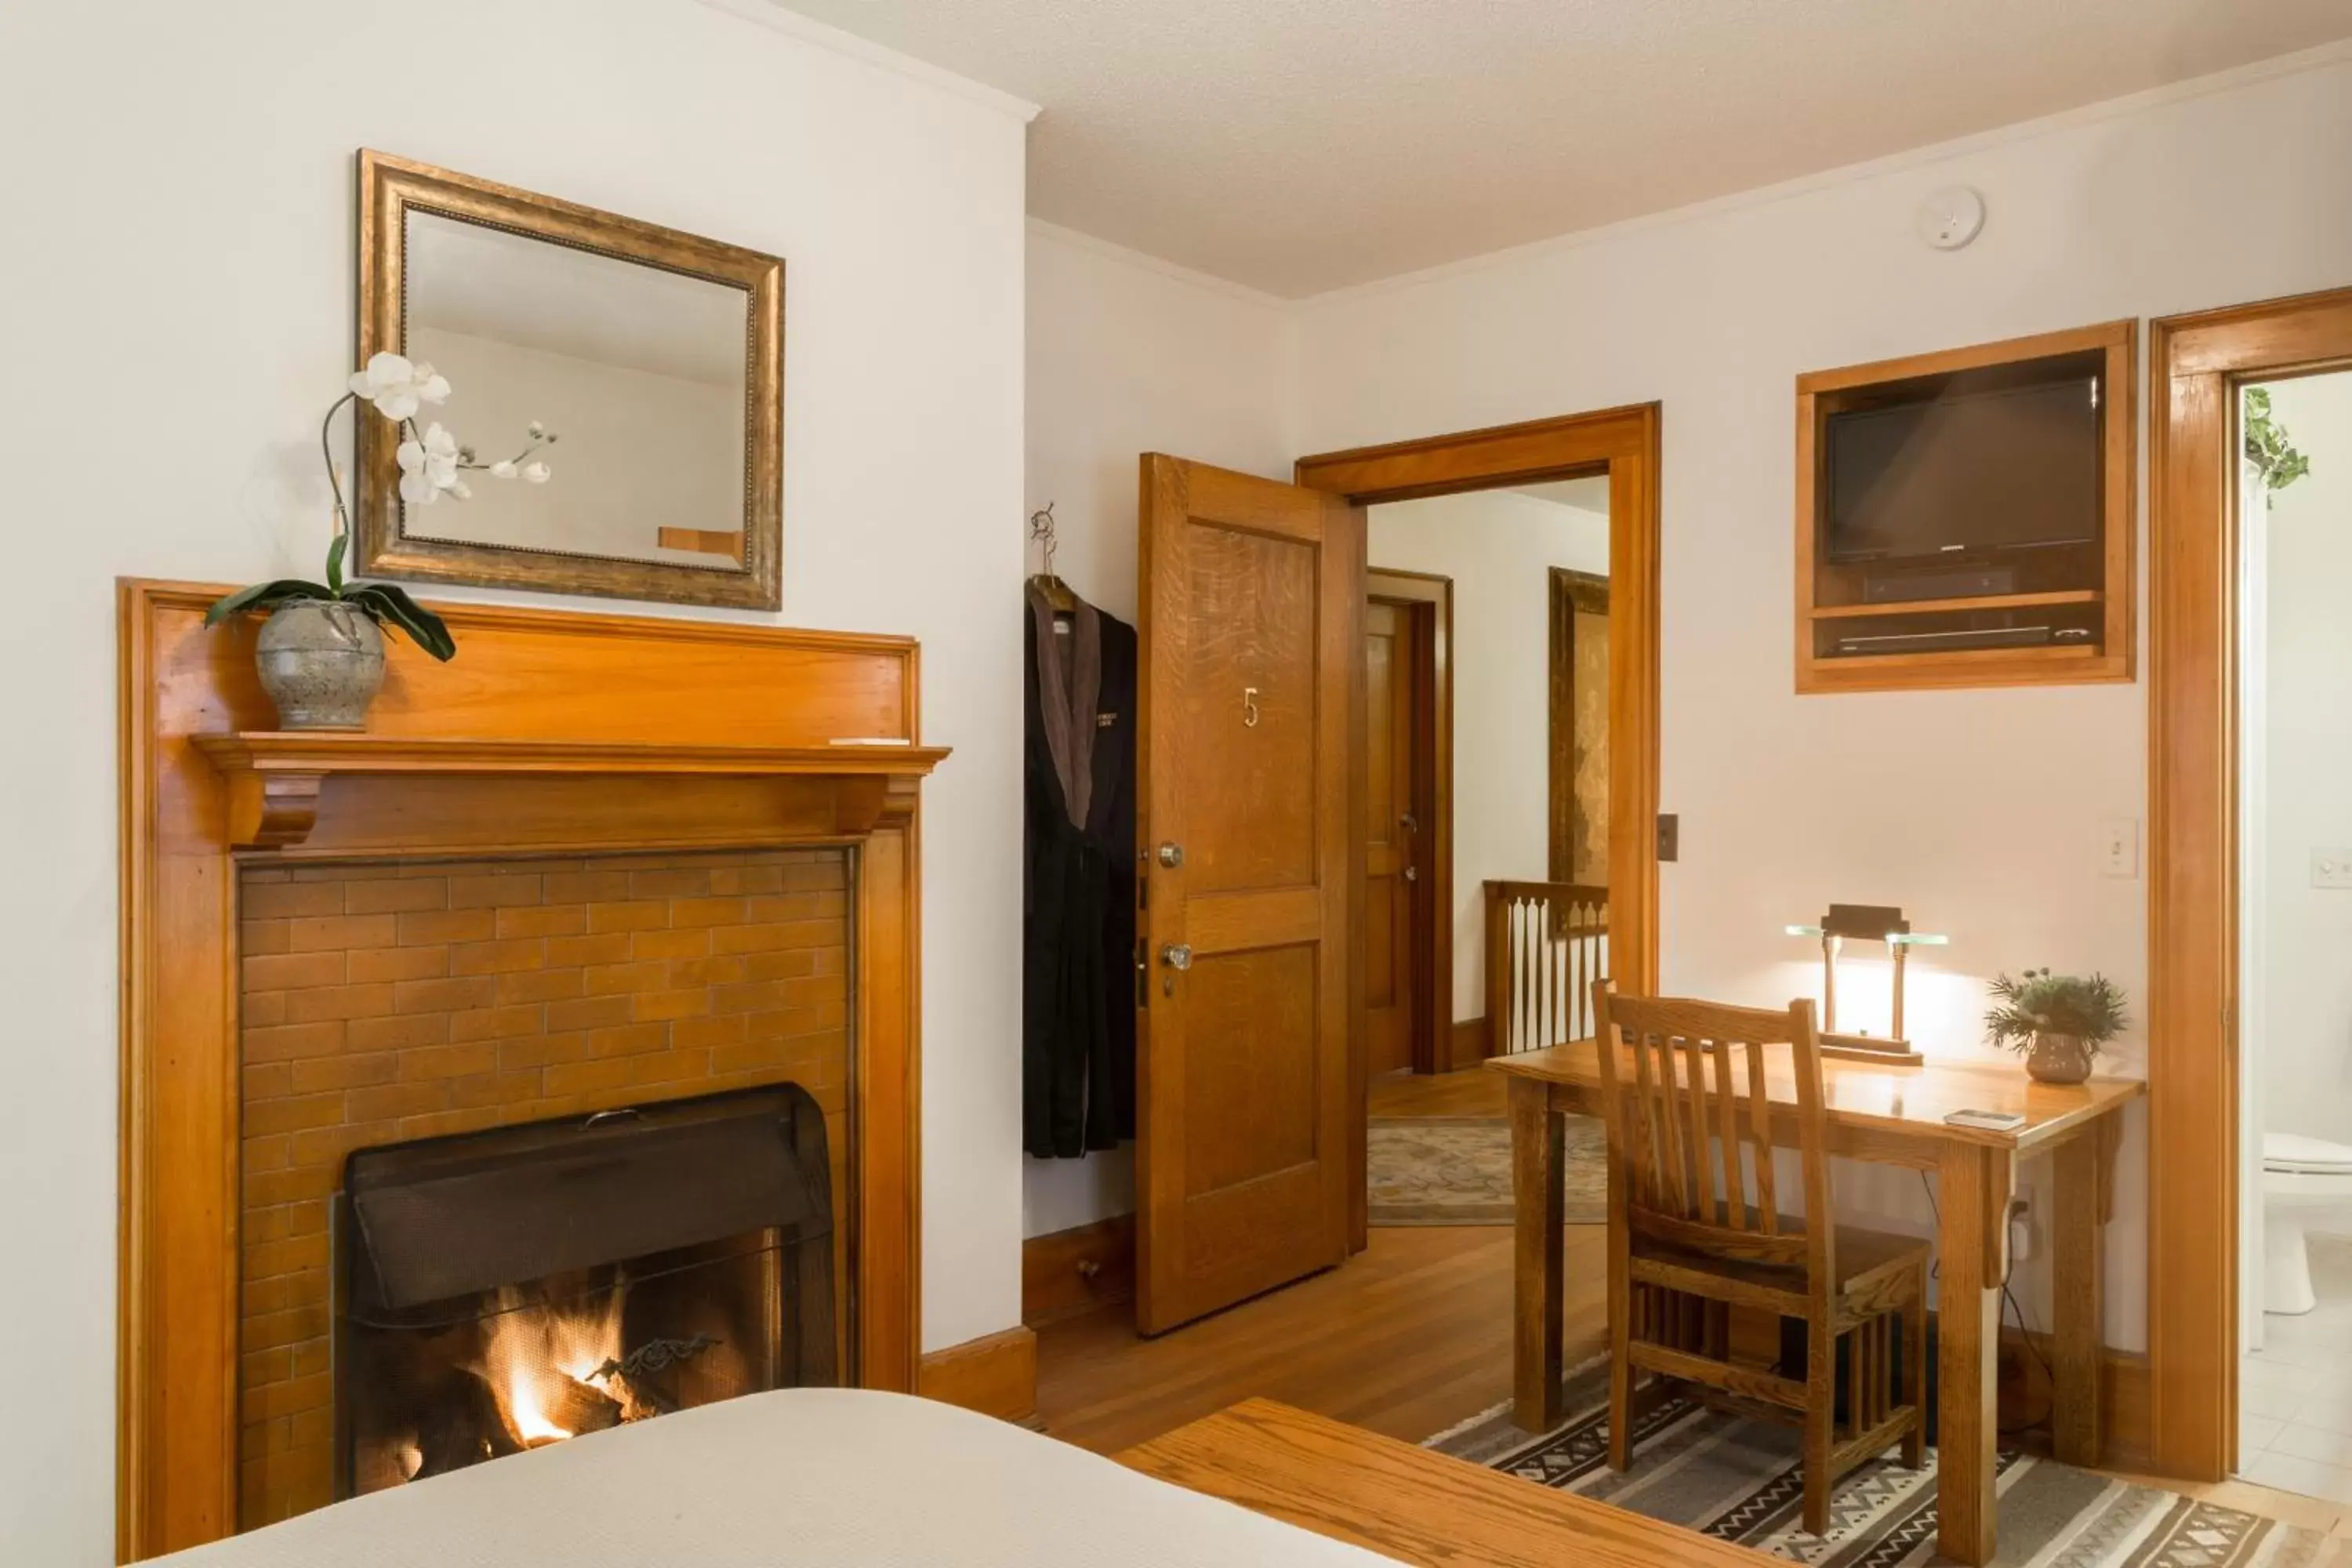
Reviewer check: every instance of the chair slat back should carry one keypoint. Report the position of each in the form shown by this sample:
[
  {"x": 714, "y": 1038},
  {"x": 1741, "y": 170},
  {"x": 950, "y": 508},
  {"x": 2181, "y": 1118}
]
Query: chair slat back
[{"x": 1688, "y": 1093}]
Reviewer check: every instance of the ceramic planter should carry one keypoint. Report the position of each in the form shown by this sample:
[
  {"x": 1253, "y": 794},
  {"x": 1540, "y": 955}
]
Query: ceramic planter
[
  {"x": 2059, "y": 1059},
  {"x": 321, "y": 662}
]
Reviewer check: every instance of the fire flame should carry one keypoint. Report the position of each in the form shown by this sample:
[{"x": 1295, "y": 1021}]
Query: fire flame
[{"x": 534, "y": 1350}]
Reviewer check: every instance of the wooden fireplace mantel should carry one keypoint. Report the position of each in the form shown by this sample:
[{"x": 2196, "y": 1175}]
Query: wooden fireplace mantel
[{"x": 551, "y": 733}]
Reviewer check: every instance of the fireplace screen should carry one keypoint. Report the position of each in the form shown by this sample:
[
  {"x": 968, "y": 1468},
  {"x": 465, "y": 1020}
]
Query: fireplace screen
[{"x": 503, "y": 1289}]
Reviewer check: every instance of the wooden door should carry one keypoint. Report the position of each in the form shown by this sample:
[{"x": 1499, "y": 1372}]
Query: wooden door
[
  {"x": 1251, "y": 712},
  {"x": 1390, "y": 821}
]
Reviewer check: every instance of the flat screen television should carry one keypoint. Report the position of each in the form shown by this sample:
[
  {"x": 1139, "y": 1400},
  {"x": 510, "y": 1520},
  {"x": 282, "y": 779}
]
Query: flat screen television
[{"x": 1973, "y": 474}]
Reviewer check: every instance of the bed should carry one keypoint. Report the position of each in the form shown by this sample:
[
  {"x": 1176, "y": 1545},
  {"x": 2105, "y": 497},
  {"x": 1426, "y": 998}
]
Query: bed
[{"x": 811, "y": 1477}]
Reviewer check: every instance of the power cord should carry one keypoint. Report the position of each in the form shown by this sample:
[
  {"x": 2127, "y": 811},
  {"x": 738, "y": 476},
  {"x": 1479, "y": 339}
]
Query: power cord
[{"x": 2011, "y": 1303}]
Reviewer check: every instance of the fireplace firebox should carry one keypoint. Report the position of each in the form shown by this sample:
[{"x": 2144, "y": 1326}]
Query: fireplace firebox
[{"x": 503, "y": 1289}]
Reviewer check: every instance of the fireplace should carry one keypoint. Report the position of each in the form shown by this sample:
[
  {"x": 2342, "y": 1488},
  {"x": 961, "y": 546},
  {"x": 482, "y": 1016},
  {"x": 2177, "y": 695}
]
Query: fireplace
[{"x": 501, "y": 1290}]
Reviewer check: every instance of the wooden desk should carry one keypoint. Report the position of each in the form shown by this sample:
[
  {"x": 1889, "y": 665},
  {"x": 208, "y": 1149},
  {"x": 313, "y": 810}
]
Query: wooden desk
[
  {"x": 1891, "y": 1116},
  {"x": 1409, "y": 1503}
]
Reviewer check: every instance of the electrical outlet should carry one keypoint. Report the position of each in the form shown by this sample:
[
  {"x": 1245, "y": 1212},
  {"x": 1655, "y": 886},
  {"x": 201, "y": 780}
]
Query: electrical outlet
[
  {"x": 2020, "y": 1230},
  {"x": 2331, "y": 868},
  {"x": 2119, "y": 847}
]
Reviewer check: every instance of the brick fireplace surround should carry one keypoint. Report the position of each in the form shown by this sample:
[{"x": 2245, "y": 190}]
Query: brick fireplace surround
[{"x": 595, "y": 860}]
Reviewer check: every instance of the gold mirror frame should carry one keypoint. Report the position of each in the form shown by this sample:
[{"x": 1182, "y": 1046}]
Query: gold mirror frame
[{"x": 389, "y": 188}]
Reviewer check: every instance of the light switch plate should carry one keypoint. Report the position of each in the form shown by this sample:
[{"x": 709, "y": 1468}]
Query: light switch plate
[
  {"x": 2331, "y": 868},
  {"x": 2119, "y": 847}
]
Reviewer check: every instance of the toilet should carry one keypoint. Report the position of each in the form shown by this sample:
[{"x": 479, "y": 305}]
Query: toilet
[{"x": 2307, "y": 1185}]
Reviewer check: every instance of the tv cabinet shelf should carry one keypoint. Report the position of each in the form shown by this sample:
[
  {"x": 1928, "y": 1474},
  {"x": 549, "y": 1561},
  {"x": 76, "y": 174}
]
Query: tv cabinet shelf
[{"x": 2017, "y": 607}]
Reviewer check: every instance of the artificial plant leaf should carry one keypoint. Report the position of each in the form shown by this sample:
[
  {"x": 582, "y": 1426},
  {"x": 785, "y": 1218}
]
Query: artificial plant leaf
[
  {"x": 425, "y": 628},
  {"x": 335, "y": 549},
  {"x": 263, "y": 596}
]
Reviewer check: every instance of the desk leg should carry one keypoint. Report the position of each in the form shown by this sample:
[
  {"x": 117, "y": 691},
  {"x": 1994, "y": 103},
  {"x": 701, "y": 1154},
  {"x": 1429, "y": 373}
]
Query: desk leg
[
  {"x": 2078, "y": 1285},
  {"x": 1976, "y": 1182},
  {"x": 1538, "y": 1155}
]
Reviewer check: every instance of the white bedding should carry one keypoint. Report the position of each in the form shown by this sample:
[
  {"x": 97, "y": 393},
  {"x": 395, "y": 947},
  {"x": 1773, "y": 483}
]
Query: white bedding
[{"x": 836, "y": 1477}]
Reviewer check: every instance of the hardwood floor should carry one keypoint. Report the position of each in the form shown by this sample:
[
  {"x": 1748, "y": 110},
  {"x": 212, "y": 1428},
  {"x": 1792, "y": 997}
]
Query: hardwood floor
[{"x": 1406, "y": 1340}]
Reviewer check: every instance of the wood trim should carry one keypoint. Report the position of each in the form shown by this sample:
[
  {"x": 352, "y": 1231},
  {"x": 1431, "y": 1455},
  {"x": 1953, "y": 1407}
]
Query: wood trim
[
  {"x": 388, "y": 187},
  {"x": 553, "y": 686},
  {"x": 2115, "y": 660},
  {"x": 1572, "y": 593},
  {"x": 1472, "y": 1043},
  {"x": 995, "y": 1374},
  {"x": 2197, "y": 361},
  {"x": 1067, "y": 1272},
  {"x": 1625, "y": 445},
  {"x": 1431, "y": 599}
]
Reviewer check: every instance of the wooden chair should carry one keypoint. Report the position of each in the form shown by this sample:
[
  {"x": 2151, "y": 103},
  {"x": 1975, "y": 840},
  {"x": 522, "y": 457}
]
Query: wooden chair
[{"x": 1695, "y": 1229}]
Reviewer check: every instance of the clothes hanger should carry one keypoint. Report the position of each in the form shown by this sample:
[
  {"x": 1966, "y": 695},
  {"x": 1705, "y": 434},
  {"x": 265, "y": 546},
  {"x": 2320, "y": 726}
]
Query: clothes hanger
[{"x": 1058, "y": 596}]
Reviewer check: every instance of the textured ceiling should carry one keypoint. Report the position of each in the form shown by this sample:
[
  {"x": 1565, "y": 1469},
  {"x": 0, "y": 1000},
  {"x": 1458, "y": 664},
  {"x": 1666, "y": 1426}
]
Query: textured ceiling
[{"x": 1300, "y": 145}]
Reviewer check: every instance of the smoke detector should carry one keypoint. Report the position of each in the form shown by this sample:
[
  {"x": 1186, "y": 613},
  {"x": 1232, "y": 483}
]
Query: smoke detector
[{"x": 1950, "y": 217}]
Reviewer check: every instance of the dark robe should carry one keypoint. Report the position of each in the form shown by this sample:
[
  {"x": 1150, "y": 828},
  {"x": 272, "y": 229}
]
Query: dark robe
[{"x": 1078, "y": 995}]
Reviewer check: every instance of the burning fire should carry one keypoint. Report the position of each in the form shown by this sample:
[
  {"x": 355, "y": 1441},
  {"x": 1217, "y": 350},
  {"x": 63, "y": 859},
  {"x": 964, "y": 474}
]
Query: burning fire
[{"x": 545, "y": 1364}]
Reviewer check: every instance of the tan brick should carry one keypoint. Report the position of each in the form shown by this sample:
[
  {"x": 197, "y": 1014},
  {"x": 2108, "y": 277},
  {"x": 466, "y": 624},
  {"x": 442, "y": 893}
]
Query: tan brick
[
  {"x": 759, "y": 998},
  {"x": 543, "y": 920},
  {"x": 266, "y": 1331},
  {"x": 691, "y": 1003},
  {"x": 666, "y": 1067},
  {"x": 284, "y": 1398},
  {"x": 266, "y": 1259},
  {"x": 338, "y": 1001},
  {"x": 288, "y": 901},
  {"x": 290, "y": 971},
  {"x": 540, "y": 985},
  {"x": 260, "y": 1368},
  {"x": 694, "y": 1034},
  {"x": 328, "y": 1145},
  {"x": 708, "y": 971},
  {"x": 435, "y": 926},
  {"x": 373, "y": 963},
  {"x": 586, "y": 1078},
  {"x": 578, "y": 952},
  {"x": 608, "y": 979},
  {"x": 391, "y": 1102},
  {"x": 493, "y": 1088},
  {"x": 788, "y": 907},
  {"x": 404, "y": 1032},
  {"x": 292, "y": 1114},
  {"x": 707, "y": 912},
  {"x": 817, "y": 990},
  {"x": 273, "y": 1152},
  {"x": 397, "y": 896},
  {"x": 729, "y": 882},
  {"x": 261, "y": 936},
  {"x": 691, "y": 943},
  {"x": 589, "y": 1013},
  {"x": 747, "y": 938},
  {"x": 262, "y": 1296},
  {"x": 499, "y": 889},
  {"x": 831, "y": 871},
  {"x": 641, "y": 915},
  {"x": 444, "y": 996},
  {"x": 587, "y": 887},
  {"x": 320, "y": 1075},
  {"x": 495, "y": 1023},
  {"x": 540, "y": 1051},
  {"x": 264, "y": 1225},
  {"x": 497, "y": 957},
  {"x": 747, "y": 1056},
  {"x": 448, "y": 1061},
  {"x": 625, "y": 1039},
  {"x": 261, "y": 1009},
  {"x": 306, "y": 1218},
  {"x": 788, "y": 964},
  {"x": 676, "y": 884},
  {"x": 316, "y": 933},
  {"x": 311, "y": 1358},
  {"x": 284, "y": 1041},
  {"x": 447, "y": 1123},
  {"x": 265, "y": 1080},
  {"x": 263, "y": 1188}
]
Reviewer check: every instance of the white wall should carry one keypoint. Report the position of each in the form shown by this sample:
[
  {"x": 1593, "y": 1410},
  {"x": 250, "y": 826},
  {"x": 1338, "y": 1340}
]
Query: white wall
[
  {"x": 1128, "y": 355},
  {"x": 1499, "y": 547},
  {"x": 176, "y": 283},
  {"x": 2305, "y": 1043},
  {"x": 1977, "y": 811}
]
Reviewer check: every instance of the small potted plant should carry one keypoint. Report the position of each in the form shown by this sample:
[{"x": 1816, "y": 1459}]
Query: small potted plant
[
  {"x": 2057, "y": 1022},
  {"x": 320, "y": 653}
]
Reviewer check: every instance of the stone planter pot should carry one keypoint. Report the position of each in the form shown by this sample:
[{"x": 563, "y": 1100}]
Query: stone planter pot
[
  {"x": 2059, "y": 1059},
  {"x": 321, "y": 662}
]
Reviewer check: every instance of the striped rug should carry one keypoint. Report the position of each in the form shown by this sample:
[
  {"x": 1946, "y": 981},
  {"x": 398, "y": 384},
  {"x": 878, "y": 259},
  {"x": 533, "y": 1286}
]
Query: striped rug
[{"x": 1740, "y": 1481}]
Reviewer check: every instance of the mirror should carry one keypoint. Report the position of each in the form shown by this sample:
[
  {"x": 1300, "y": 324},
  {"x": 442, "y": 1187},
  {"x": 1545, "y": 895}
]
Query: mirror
[{"x": 613, "y": 390}]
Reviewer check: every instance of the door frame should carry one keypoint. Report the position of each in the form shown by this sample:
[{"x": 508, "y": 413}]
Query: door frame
[
  {"x": 1581, "y": 592},
  {"x": 2197, "y": 362},
  {"x": 1624, "y": 445},
  {"x": 1429, "y": 598}
]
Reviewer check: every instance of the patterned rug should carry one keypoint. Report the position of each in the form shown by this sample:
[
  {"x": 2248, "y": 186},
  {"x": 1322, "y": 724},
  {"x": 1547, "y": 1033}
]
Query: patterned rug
[
  {"x": 1740, "y": 1481},
  {"x": 1457, "y": 1170}
]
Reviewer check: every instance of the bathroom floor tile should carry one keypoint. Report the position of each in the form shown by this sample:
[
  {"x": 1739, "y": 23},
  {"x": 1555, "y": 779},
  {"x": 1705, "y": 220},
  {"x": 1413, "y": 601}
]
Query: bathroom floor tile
[
  {"x": 2297, "y": 1441},
  {"x": 2256, "y": 1433},
  {"x": 2331, "y": 1483}
]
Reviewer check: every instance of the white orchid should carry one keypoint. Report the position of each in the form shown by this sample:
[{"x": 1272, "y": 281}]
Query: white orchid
[
  {"x": 537, "y": 473},
  {"x": 428, "y": 464},
  {"x": 504, "y": 468},
  {"x": 398, "y": 386}
]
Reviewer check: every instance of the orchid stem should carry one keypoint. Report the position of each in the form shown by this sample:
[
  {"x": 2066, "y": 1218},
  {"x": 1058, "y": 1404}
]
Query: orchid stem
[{"x": 327, "y": 451}]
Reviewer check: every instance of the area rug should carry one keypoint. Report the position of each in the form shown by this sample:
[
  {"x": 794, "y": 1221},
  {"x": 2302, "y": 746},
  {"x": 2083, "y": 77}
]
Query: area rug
[
  {"x": 1740, "y": 1481},
  {"x": 1457, "y": 1170}
]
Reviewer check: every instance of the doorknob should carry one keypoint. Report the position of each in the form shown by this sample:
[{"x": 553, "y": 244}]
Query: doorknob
[
  {"x": 1408, "y": 824},
  {"x": 1172, "y": 856},
  {"x": 1412, "y": 873},
  {"x": 1176, "y": 955}
]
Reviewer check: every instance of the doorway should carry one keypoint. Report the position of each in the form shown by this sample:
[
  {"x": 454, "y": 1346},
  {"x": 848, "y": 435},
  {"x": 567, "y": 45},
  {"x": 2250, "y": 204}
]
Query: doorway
[
  {"x": 1407, "y": 818},
  {"x": 2202, "y": 1193}
]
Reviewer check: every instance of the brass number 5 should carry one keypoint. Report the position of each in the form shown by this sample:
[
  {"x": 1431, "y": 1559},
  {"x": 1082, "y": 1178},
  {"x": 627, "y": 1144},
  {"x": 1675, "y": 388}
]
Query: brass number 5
[{"x": 1249, "y": 707}]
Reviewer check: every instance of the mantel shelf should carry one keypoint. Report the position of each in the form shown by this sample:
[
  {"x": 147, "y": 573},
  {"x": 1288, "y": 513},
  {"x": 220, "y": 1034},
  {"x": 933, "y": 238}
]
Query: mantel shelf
[{"x": 274, "y": 776}]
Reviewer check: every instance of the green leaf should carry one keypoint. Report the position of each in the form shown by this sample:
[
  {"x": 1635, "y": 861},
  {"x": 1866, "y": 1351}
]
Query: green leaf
[
  {"x": 425, "y": 628},
  {"x": 265, "y": 596},
  {"x": 335, "y": 548}
]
